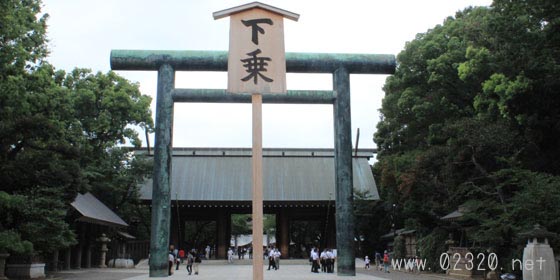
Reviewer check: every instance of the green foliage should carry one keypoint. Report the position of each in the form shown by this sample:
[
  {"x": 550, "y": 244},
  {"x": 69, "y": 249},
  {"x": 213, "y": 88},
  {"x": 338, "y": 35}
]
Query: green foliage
[
  {"x": 44, "y": 223},
  {"x": 472, "y": 117},
  {"x": 536, "y": 199},
  {"x": 198, "y": 234},
  {"x": 10, "y": 242},
  {"x": 61, "y": 134},
  {"x": 307, "y": 233},
  {"x": 399, "y": 249},
  {"x": 22, "y": 38},
  {"x": 240, "y": 224},
  {"x": 432, "y": 246},
  {"x": 371, "y": 220},
  {"x": 106, "y": 106},
  {"x": 269, "y": 224}
]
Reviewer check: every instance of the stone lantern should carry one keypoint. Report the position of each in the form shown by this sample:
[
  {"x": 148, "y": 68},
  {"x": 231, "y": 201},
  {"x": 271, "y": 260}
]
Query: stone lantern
[
  {"x": 538, "y": 257},
  {"x": 103, "y": 239}
]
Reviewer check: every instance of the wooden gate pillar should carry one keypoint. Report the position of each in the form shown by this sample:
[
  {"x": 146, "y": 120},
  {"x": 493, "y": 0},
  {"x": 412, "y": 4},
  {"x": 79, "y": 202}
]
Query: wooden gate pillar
[
  {"x": 222, "y": 240},
  {"x": 283, "y": 229}
]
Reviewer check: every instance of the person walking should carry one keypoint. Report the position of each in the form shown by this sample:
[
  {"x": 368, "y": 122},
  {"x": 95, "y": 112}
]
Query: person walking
[
  {"x": 230, "y": 255},
  {"x": 366, "y": 260},
  {"x": 331, "y": 257},
  {"x": 277, "y": 255},
  {"x": 386, "y": 261},
  {"x": 190, "y": 261},
  {"x": 196, "y": 264},
  {"x": 378, "y": 259},
  {"x": 315, "y": 262},
  {"x": 182, "y": 255},
  {"x": 323, "y": 260},
  {"x": 171, "y": 260},
  {"x": 178, "y": 258},
  {"x": 271, "y": 260}
]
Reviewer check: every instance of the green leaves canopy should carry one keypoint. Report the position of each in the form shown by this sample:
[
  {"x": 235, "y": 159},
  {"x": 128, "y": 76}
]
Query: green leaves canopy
[
  {"x": 472, "y": 117},
  {"x": 59, "y": 134}
]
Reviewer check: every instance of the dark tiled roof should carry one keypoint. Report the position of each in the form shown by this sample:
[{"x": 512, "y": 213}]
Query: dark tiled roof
[
  {"x": 453, "y": 216},
  {"x": 94, "y": 211},
  {"x": 288, "y": 175}
]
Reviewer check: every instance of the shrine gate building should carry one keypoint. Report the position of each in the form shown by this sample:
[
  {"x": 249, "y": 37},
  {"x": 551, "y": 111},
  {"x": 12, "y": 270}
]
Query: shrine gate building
[{"x": 211, "y": 184}]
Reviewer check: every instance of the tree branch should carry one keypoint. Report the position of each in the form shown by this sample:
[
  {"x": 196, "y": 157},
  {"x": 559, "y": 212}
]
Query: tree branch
[{"x": 482, "y": 170}]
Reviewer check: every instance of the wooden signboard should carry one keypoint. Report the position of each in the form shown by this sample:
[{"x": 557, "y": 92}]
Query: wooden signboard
[{"x": 256, "y": 60}]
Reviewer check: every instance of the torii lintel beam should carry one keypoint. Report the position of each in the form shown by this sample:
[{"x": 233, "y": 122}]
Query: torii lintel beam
[{"x": 146, "y": 60}]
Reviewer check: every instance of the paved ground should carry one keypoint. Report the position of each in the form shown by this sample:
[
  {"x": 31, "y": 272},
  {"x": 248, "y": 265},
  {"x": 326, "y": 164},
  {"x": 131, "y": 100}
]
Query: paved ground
[
  {"x": 220, "y": 270},
  {"x": 99, "y": 273},
  {"x": 398, "y": 275}
]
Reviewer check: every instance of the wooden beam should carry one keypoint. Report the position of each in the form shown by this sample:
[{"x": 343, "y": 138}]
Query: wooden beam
[
  {"x": 257, "y": 189},
  {"x": 146, "y": 60}
]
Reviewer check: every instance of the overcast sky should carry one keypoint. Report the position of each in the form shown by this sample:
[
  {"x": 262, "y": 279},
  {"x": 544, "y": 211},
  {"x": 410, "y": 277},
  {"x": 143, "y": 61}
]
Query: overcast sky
[{"x": 83, "y": 33}]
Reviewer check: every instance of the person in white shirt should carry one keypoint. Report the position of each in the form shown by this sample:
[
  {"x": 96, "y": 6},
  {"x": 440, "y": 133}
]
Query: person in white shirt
[
  {"x": 315, "y": 263},
  {"x": 366, "y": 260},
  {"x": 330, "y": 260},
  {"x": 171, "y": 260},
  {"x": 271, "y": 259},
  {"x": 277, "y": 255},
  {"x": 323, "y": 260},
  {"x": 230, "y": 255}
]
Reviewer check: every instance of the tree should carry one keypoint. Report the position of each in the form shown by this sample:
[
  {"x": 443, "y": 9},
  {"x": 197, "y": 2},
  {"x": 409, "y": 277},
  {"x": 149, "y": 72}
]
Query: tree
[
  {"x": 269, "y": 224},
  {"x": 10, "y": 240},
  {"x": 471, "y": 118},
  {"x": 372, "y": 221},
  {"x": 517, "y": 70},
  {"x": 199, "y": 234},
  {"x": 61, "y": 134},
  {"x": 37, "y": 143},
  {"x": 240, "y": 225},
  {"x": 22, "y": 39},
  {"x": 107, "y": 110}
]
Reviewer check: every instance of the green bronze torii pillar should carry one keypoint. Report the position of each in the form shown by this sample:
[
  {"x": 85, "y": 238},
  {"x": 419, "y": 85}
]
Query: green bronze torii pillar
[{"x": 167, "y": 62}]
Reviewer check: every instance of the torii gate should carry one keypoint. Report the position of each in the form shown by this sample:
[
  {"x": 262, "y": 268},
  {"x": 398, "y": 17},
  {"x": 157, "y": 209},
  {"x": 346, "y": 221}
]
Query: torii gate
[{"x": 167, "y": 62}]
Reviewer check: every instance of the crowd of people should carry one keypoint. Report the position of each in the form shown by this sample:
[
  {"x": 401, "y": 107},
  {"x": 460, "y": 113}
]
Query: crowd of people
[
  {"x": 240, "y": 251},
  {"x": 273, "y": 255},
  {"x": 382, "y": 262},
  {"x": 191, "y": 258},
  {"x": 323, "y": 261}
]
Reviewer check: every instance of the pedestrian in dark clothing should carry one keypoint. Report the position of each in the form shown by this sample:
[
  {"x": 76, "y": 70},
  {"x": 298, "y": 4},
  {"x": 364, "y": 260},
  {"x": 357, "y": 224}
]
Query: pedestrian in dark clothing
[{"x": 271, "y": 262}]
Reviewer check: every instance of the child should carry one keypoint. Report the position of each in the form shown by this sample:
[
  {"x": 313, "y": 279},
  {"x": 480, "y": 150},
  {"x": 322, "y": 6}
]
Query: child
[{"x": 367, "y": 262}]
